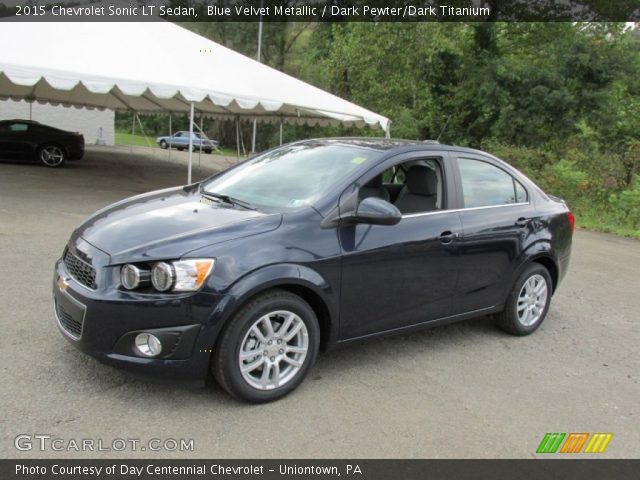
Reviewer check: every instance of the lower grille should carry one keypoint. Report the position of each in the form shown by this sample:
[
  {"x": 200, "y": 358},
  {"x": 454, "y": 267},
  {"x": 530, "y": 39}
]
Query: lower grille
[
  {"x": 72, "y": 326},
  {"x": 81, "y": 271}
]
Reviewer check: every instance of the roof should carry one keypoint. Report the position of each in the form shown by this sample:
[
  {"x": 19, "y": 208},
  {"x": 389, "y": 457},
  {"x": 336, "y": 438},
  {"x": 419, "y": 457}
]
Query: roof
[
  {"x": 388, "y": 144},
  {"x": 373, "y": 143}
]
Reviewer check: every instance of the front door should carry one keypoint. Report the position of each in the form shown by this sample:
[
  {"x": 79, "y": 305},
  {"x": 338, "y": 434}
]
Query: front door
[{"x": 405, "y": 274}]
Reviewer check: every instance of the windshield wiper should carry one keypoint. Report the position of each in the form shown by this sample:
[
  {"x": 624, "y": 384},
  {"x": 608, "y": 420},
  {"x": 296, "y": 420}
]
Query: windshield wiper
[{"x": 228, "y": 199}]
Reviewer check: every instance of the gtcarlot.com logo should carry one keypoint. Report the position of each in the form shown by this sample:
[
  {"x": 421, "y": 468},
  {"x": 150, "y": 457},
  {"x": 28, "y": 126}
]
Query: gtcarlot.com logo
[
  {"x": 573, "y": 443},
  {"x": 44, "y": 442}
]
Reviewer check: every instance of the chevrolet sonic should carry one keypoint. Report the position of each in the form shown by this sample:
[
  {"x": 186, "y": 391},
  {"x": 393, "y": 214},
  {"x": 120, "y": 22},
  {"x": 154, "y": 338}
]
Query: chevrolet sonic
[{"x": 251, "y": 272}]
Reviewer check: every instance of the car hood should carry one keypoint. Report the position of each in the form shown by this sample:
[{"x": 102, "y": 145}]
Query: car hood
[{"x": 167, "y": 224}]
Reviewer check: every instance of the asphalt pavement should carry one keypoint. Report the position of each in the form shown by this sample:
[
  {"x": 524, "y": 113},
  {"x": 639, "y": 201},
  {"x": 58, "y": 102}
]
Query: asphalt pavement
[{"x": 464, "y": 390}]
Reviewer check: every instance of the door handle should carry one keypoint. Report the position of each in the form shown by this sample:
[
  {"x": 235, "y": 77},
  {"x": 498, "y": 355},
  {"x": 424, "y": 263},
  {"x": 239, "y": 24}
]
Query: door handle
[
  {"x": 522, "y": 222},
  {"x": 447, "y": 237}
]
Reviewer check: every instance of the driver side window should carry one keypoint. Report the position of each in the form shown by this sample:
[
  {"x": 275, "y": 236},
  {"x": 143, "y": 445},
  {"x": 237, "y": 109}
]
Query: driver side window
[{"x": 415, "y": 186}]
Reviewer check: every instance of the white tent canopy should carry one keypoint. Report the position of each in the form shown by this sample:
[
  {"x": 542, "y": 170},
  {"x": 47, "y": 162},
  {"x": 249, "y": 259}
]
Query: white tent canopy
[{"x": 154, "y": 67}]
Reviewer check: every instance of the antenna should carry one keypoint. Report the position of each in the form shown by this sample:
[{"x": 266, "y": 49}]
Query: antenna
[{"x": 443, "y": 128}]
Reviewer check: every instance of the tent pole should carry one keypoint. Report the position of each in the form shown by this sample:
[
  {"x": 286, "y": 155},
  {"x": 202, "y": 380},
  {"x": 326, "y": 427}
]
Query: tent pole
[
  {"x": 280, "y": 131},
  {"x": 170, "y": 137},
  {"x": 133, "y": 123},
  {"x": 190, "y": 142},
  {"x": 387, "y": 132},
  {"x": 238, "y": 136},
  {"x": 255, "y": 126},
  {"x": 30, "y": 110},
  {"x": 200, "y": 129}
]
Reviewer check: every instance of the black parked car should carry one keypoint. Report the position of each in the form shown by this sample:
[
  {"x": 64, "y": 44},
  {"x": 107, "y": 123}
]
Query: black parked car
[
  {"x": 251, "y": 272},
  {"x": 29, "y": 140}
]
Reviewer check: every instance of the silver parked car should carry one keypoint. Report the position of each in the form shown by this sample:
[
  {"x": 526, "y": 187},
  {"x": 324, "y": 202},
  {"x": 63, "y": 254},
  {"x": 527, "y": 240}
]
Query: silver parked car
[{"x": 180, "y": 140}]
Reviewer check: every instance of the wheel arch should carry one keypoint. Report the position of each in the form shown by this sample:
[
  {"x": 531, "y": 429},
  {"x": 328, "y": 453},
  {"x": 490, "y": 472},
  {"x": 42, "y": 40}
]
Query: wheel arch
[
  {"x": 299, "y": 280},
  {"x": 550, "y": 264},
  {"x": 41, "y": 145}
]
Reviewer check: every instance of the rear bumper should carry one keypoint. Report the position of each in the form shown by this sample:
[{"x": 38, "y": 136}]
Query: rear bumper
[
  {"x": 104, "y": 324},
  {"x": 75, "y": 151}
]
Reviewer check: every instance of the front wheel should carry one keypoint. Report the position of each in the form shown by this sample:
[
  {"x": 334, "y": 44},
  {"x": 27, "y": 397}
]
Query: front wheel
[
  {"x": 528, "y": 302},
  {"x": 51, "y": 155},
  {"x": 164, "y": 145},
  {"x": 268, "y": 348}
]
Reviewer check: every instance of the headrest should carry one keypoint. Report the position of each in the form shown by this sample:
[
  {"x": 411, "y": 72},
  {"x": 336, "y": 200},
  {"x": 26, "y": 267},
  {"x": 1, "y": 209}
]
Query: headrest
[
  {"x": 375, "y": 181},
  {"x": 421, "y": 180}
]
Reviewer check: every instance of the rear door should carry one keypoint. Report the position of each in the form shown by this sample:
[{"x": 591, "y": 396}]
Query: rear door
[
  {"x": 496, "y": 214},
  {"x": 400, "y": 275}
]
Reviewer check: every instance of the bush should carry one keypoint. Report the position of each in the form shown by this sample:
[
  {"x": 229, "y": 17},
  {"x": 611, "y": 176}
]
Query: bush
[
  {"x": 564, "y": 180},
  {"x": 627, "y": 204}
]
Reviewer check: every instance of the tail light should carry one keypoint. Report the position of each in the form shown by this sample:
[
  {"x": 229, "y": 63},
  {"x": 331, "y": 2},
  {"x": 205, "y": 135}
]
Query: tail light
[{"x": 572, "y": 221}]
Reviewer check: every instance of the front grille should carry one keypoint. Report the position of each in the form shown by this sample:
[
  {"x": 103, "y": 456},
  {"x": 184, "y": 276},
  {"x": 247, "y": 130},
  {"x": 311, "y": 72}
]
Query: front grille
[
  {"x": 81, "y": 271},
  {"x": 70, "y": 324}
]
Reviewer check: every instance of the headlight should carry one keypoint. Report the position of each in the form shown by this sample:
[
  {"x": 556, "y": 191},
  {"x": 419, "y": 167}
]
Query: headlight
[
  {"x": 179, "y": 276},
  {"x": 132, "y": 277},
  {"x": 191, "y": 274},
  {"x": 162, "y": 276}
]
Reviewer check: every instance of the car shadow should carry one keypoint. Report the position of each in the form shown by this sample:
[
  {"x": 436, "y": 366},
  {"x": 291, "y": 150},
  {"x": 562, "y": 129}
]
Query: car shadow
[{"x": 353, "y": 357}]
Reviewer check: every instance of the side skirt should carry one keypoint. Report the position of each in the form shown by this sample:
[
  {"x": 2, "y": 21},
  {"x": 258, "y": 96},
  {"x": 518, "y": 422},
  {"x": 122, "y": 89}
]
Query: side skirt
[{"x": 425, "y": 325}]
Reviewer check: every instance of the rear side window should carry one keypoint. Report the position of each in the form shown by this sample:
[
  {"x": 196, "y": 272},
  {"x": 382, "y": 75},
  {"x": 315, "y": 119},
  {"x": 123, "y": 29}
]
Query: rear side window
[
  {"x": 485, "y": 185},
  {"x": 18, "y": 127}
]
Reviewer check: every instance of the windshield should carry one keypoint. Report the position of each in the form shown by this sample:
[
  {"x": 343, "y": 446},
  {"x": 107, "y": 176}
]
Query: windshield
[{"x": 290, "y": 177}]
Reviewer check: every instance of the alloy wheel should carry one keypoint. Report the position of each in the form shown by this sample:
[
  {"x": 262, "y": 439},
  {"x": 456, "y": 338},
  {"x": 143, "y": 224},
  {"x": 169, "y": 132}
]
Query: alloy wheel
[
  {"x": 52, "y": 156},
  {"x": 532, "y": 300},
  {"x": 273, "y": 350}
]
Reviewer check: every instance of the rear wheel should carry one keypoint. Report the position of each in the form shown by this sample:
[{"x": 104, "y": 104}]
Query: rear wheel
[
  {"x": 51, "y": 155},
  {"x": 528, "y": 302},
  {"x": 268, "y": 348}
]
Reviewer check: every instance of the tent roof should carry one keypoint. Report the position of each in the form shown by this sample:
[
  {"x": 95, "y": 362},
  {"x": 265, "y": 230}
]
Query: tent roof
[{"x": 154, "y": 67}]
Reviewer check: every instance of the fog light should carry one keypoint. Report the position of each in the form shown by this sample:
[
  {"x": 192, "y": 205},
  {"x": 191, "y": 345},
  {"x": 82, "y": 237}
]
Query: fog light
[{"x": 148, "y": 345}]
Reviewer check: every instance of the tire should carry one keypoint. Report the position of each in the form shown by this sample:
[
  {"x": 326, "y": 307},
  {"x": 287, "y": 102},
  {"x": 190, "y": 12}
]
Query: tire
[
  {"x": 51, "y": 155},
  {"x": 528, "y": 302},
  {"x": 281, "y": 309},
  {"x": 180, "y": 148},
  {"x": 208, "y": 151},
  {"x": 164, "y": 145}
]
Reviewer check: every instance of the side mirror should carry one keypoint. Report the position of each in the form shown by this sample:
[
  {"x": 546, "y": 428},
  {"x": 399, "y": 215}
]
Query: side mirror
[{"x": 377, "y": 211}]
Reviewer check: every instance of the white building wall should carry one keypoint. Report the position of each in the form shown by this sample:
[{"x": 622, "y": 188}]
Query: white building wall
[{"x": 93, "y": 124}]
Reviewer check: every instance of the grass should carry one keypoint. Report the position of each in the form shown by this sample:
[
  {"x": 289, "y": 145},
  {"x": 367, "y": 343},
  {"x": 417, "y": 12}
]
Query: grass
[
  {"x": 123, "y": 138},
  {"x": 598, "y": 222},
  {"x": 128, "y": 139}
]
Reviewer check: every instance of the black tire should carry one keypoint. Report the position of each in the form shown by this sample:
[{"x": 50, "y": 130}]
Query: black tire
[
  {"x": 180, "y": 148},
  {"x": 164, "y": 145},
  {"x": 225, "y": 362},
  {"x": 208, "y": 150},
  {"x": 510, "y": 320},
  {"x": 51, "y": 155}
]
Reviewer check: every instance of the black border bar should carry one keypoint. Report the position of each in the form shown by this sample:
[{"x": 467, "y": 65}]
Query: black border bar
[
  {"x": 123, "y": 469},
  {"x": 326, "y": 10}
]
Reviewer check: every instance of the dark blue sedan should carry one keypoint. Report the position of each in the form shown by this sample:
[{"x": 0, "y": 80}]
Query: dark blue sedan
[
  {"x": 180, "y": 140},
  {"x": 251, "y": 272}
]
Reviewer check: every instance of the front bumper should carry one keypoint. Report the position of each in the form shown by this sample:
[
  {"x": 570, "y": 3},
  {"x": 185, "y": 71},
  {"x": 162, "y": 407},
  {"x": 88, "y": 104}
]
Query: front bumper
[{"x": 104, "y": 322}]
